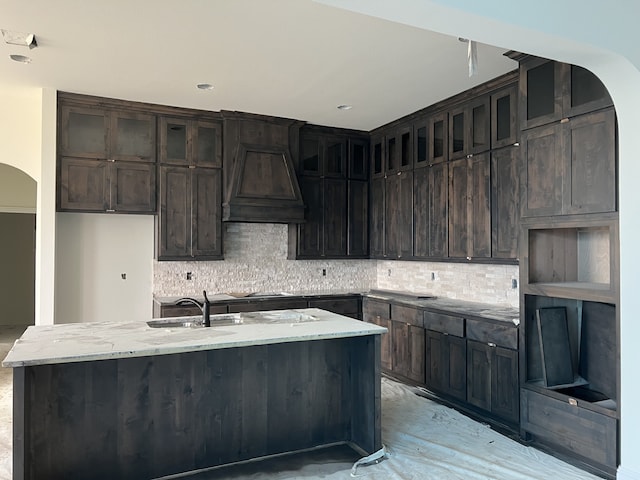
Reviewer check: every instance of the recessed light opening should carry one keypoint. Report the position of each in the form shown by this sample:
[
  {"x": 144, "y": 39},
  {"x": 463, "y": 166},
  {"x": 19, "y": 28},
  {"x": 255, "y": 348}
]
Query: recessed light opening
[{"x": 20, "y": 58}]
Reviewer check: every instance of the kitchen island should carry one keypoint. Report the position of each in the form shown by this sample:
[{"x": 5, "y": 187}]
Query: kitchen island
[{"x": 124, "y": 400}]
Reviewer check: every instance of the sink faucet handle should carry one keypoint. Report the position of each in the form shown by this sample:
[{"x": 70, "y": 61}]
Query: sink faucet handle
[{"x": 205, "y": 310}]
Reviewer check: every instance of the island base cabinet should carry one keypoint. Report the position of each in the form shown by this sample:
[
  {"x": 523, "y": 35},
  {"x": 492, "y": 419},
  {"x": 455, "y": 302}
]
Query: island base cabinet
[{"x": 148, "y": 417}]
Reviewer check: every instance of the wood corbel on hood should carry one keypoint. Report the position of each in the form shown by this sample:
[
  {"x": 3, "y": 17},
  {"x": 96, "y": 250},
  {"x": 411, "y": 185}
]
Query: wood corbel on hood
[{"x": 260, "y": 183}]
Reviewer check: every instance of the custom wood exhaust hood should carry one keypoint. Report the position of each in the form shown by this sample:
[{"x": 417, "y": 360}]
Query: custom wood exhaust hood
[{"x": 260, "y": 179}]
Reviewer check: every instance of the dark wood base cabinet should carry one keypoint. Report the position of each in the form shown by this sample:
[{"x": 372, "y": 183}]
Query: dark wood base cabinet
[
  {"x": 149, "y": 417},
  {"x": 565, "y": 427}
]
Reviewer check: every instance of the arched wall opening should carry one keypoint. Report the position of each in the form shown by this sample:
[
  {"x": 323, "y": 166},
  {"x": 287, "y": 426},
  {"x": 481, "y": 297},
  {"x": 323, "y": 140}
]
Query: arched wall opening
[{"x": 17, "y": 246}]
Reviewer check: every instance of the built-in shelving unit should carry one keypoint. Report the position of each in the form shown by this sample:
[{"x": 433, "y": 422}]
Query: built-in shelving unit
[{"x": 569, "y": 265}]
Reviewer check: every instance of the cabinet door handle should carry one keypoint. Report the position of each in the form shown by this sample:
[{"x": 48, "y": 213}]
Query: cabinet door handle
[
  {"x": 491, "y": 344},
  {"x": 564, "y": 120}
]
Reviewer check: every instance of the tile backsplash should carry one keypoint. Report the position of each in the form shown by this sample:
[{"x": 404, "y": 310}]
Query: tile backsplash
[
  {"x": 256, "y": 261},
  {"x": 463, "y": 281}
]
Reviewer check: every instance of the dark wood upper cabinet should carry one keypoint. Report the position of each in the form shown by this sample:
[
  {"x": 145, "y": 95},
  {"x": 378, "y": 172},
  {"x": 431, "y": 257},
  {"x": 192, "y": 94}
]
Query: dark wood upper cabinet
[
  {"x": 430, "y": 222},
  {"x": 540, "y": 92},
  {"x": 469, "y": 207},
  {"x": 551, "y": 91},
  {"x": 505, "y": 202},
  {"x": 421, "y": 142},
  {"x": 469, "y": 128},
  {"x": 378, "y": 154},
  {"x": 189, "y": 223},
  {"x": 589, "y": 143},
  {"x": 83, "y": 185},
  {"x": 185, "y": 141},
  {"x": 377, "y": 218},
  {"x": 358, "y": 159},
  {"x": 504, "y": 117},
  {"x": 336, "y": 208},
  {"x": 398, "y": 217},
  {"x": 104, "y": 134},
  {"x": 106, "y": 158},
  {"x": 399, "y": 149},
  {"x": 358, "y": 218},
  {"x": 583, "y": 91},
  {"x": 570, "y": 167},
  {"x": 438, "y": 137}
]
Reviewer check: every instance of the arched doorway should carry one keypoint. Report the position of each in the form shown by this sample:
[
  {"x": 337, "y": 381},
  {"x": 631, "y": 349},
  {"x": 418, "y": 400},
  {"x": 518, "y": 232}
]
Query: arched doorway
[{"x": 17, "y": 247}]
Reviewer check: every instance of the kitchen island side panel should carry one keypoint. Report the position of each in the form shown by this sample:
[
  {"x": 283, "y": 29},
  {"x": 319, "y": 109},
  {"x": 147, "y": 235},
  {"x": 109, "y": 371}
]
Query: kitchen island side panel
[{"x": 147, "y": 417}]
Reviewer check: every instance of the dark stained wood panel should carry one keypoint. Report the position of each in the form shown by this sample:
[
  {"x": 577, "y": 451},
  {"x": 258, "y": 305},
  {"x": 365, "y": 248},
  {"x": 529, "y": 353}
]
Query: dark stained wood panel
[
  {"x": 335, "y": 217},
  {"x": 83, "y": 184},
  {"x": 377, "y": 218},
  {"x": 541, "y": 171},
  {"x": 311, "y": 231},
  {"x": 458, "y": 208},
  {"x": 505, "y": 397},
  {"x": 438, "y": 220},
  {"x": 358, "y": 219},
  {"x": 149, "y": 417},
  {"x": 505, "y": 202},
  {"x": 206, "y": 208},
  {"x": 133, "y": 187},
  {"x": 590, "y": 435},
  {"x": 173, "y": 237},
  {"x": 479, "y": 377},
  {"x": 589, "y": 143},
  {"x": 480, "y": 222}
]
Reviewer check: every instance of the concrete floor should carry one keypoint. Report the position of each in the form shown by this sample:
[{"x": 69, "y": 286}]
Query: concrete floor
[{"x": 423, "y": 439}]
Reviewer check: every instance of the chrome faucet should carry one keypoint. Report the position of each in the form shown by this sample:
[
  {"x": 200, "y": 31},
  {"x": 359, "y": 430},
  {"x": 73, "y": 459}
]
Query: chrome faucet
[{"x": 204, "y": 306}]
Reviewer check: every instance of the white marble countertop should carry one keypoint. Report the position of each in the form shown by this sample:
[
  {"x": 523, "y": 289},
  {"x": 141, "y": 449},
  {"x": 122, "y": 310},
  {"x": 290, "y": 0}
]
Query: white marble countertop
[{"x": 81, "y": 342}]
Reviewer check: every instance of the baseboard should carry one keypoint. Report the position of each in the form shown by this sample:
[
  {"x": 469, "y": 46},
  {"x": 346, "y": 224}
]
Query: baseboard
[{"x": 627, "y": 474}]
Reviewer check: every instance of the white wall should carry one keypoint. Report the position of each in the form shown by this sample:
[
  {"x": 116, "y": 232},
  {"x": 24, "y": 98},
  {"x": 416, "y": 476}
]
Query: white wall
[
  {"x": 93, "y": 251},
  {"x": 21, "y": 129}
]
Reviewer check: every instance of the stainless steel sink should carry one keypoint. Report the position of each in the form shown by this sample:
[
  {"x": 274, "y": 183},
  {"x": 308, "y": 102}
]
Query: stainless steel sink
[{"x": 227, "y": 319}]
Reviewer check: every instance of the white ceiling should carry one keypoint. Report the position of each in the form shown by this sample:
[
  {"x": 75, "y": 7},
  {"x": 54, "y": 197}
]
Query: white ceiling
[{"x": 290, "y": 58}]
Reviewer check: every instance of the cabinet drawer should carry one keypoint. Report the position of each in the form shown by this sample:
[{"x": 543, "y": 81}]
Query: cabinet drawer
[
  {"x": 586, "y": 433},
  {"x": 376, "y": 308},
  {"x": 409, "y": 315},
  {"x": 489, "y": 332},
  {"x": 261, "y": 305},
  {"x": 337, "y": 305},
  {"x": 440, "y": 322}
]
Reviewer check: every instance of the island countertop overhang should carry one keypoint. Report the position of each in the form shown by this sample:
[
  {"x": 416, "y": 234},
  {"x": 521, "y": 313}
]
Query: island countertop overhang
[{"x": 80, "y": 342}]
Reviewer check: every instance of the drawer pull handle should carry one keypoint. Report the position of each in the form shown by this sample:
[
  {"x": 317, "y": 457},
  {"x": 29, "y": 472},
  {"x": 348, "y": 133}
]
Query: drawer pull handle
[
  {"x": 573, "y": 402},
  {"x": 491, "y": 344}
]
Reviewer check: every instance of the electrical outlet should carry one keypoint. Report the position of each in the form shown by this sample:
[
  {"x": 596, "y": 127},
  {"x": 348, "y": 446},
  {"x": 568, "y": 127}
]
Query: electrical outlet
[
  {"x": 324, "y": 272},
  {"x": 433, "y": 276},
  {"x": 514, "y": 283},
  {"x": 389, "y": 272},
  {"x": 189, "y": 276},
  {"x": 124, "y": 276}
]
